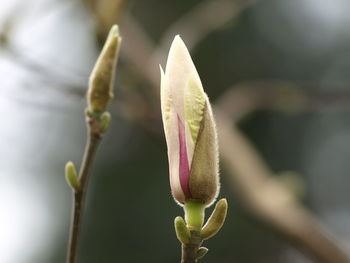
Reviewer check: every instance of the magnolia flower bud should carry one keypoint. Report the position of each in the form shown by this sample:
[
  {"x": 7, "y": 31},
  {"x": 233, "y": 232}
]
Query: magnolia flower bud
[{"x": 189, "y": 129}]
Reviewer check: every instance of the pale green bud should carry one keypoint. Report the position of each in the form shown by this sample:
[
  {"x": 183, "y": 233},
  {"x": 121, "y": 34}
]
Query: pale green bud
[
  {"x": 216, "y": 220},
  {"x": 182, "y": 232},
  {"x": 202, "y": 251},
  {"x": 101, "y": 79},
  {"x": 71, "y": 175},
  {"x": 105, "y": 121}
]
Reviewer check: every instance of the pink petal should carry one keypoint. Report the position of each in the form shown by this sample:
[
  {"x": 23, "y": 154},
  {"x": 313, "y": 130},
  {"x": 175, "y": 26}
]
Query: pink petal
[{"x": 184, "y": 170}]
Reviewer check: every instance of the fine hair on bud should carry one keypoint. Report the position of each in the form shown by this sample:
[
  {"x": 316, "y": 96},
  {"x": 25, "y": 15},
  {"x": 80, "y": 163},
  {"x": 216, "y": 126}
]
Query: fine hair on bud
[{"x": 204, "y": 175}]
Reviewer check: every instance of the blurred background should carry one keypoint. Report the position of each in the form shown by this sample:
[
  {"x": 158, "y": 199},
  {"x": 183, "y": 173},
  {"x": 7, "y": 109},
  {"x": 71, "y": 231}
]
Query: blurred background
[{"x": 277, "y": 69}]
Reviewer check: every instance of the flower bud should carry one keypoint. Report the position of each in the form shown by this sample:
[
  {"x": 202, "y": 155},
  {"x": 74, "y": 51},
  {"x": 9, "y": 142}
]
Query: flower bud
[
  {"x": 72, "y": 175},
  {"x": 105, "y": 121},
  {"x": 182, "y": 232},
  {"x": 189, "y": 129},
  {"x": 202, "y": 251},
  {"x": 101, "y": 79}
]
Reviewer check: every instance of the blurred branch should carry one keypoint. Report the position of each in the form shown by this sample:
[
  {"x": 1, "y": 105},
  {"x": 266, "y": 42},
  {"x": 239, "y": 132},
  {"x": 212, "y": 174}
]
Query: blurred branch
[
  {"x": 269, "y": 199},
  {"x": 248, "y": 96},
  {"x": 47, "y": 73},
  {"x": 138, "y": 49},
  {"x": 193, "y": 26},
  {"x": 201, "y": 21},
  {"x": 71, "y": 81},
  {"x": 107, "y": 13}
]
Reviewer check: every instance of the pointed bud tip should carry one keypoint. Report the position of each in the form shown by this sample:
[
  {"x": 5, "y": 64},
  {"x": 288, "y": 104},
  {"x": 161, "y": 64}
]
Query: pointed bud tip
[
  {"x": 114, "y": 35},
  {"x": 222, "y": 201},
  {"x": 178, "y": 41},
  {"x": 178, "y": 38},
  {"x": 113, "y": 39},
  {"x": 222, "y": 205},
  {"x": 178, "y": 220},
  {"x": 178, "y": 49},
  {"x": 114, "y": 31}
]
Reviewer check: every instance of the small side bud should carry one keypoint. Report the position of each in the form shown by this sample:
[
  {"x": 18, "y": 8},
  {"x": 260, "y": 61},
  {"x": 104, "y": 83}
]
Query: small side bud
[
  {"x": 182, "y": 232},
  {"x": 202, "y": 251},
  {"x": 216, "y": 220},
  {"x": 101, "y": 79},
  {"x": 71, "y": 175},
  {"x": 105, "y": 121}
]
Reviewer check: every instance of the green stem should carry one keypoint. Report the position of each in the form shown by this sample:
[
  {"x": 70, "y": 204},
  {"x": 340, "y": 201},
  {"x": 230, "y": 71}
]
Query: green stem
[{"x": 194, "y": 214}]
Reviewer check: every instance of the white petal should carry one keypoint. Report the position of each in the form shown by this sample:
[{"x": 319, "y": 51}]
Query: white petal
[
  {"x": 170, "y": 122},
  {"x": 180, "y": 72},
  {"x": 165, "y": 97}
]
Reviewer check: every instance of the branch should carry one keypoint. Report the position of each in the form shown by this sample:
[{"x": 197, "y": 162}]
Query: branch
[
  {"x": 107, "y": 13},
  {"x": 268, "y": 198},
  {"x": 201, "y": 21},
  {"x": 249, "y": 96},
  {"x": 99, "y": 95},
  {"x": 93, "y": 140},
  {"x": 138, "y": 49}
]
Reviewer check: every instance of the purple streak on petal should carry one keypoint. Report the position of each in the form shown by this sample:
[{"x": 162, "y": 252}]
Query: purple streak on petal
[{"x": 184, "y": 170}]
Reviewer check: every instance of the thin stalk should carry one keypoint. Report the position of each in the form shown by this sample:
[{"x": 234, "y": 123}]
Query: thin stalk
[
  {"x": 93, "y": 140},
  {"x": 189, "y": 251},
  {"x": 194, "y": 214}
]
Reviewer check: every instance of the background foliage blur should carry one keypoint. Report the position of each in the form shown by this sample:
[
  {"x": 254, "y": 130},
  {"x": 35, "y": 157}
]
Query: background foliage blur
[{"x": 47, "y": 50}]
